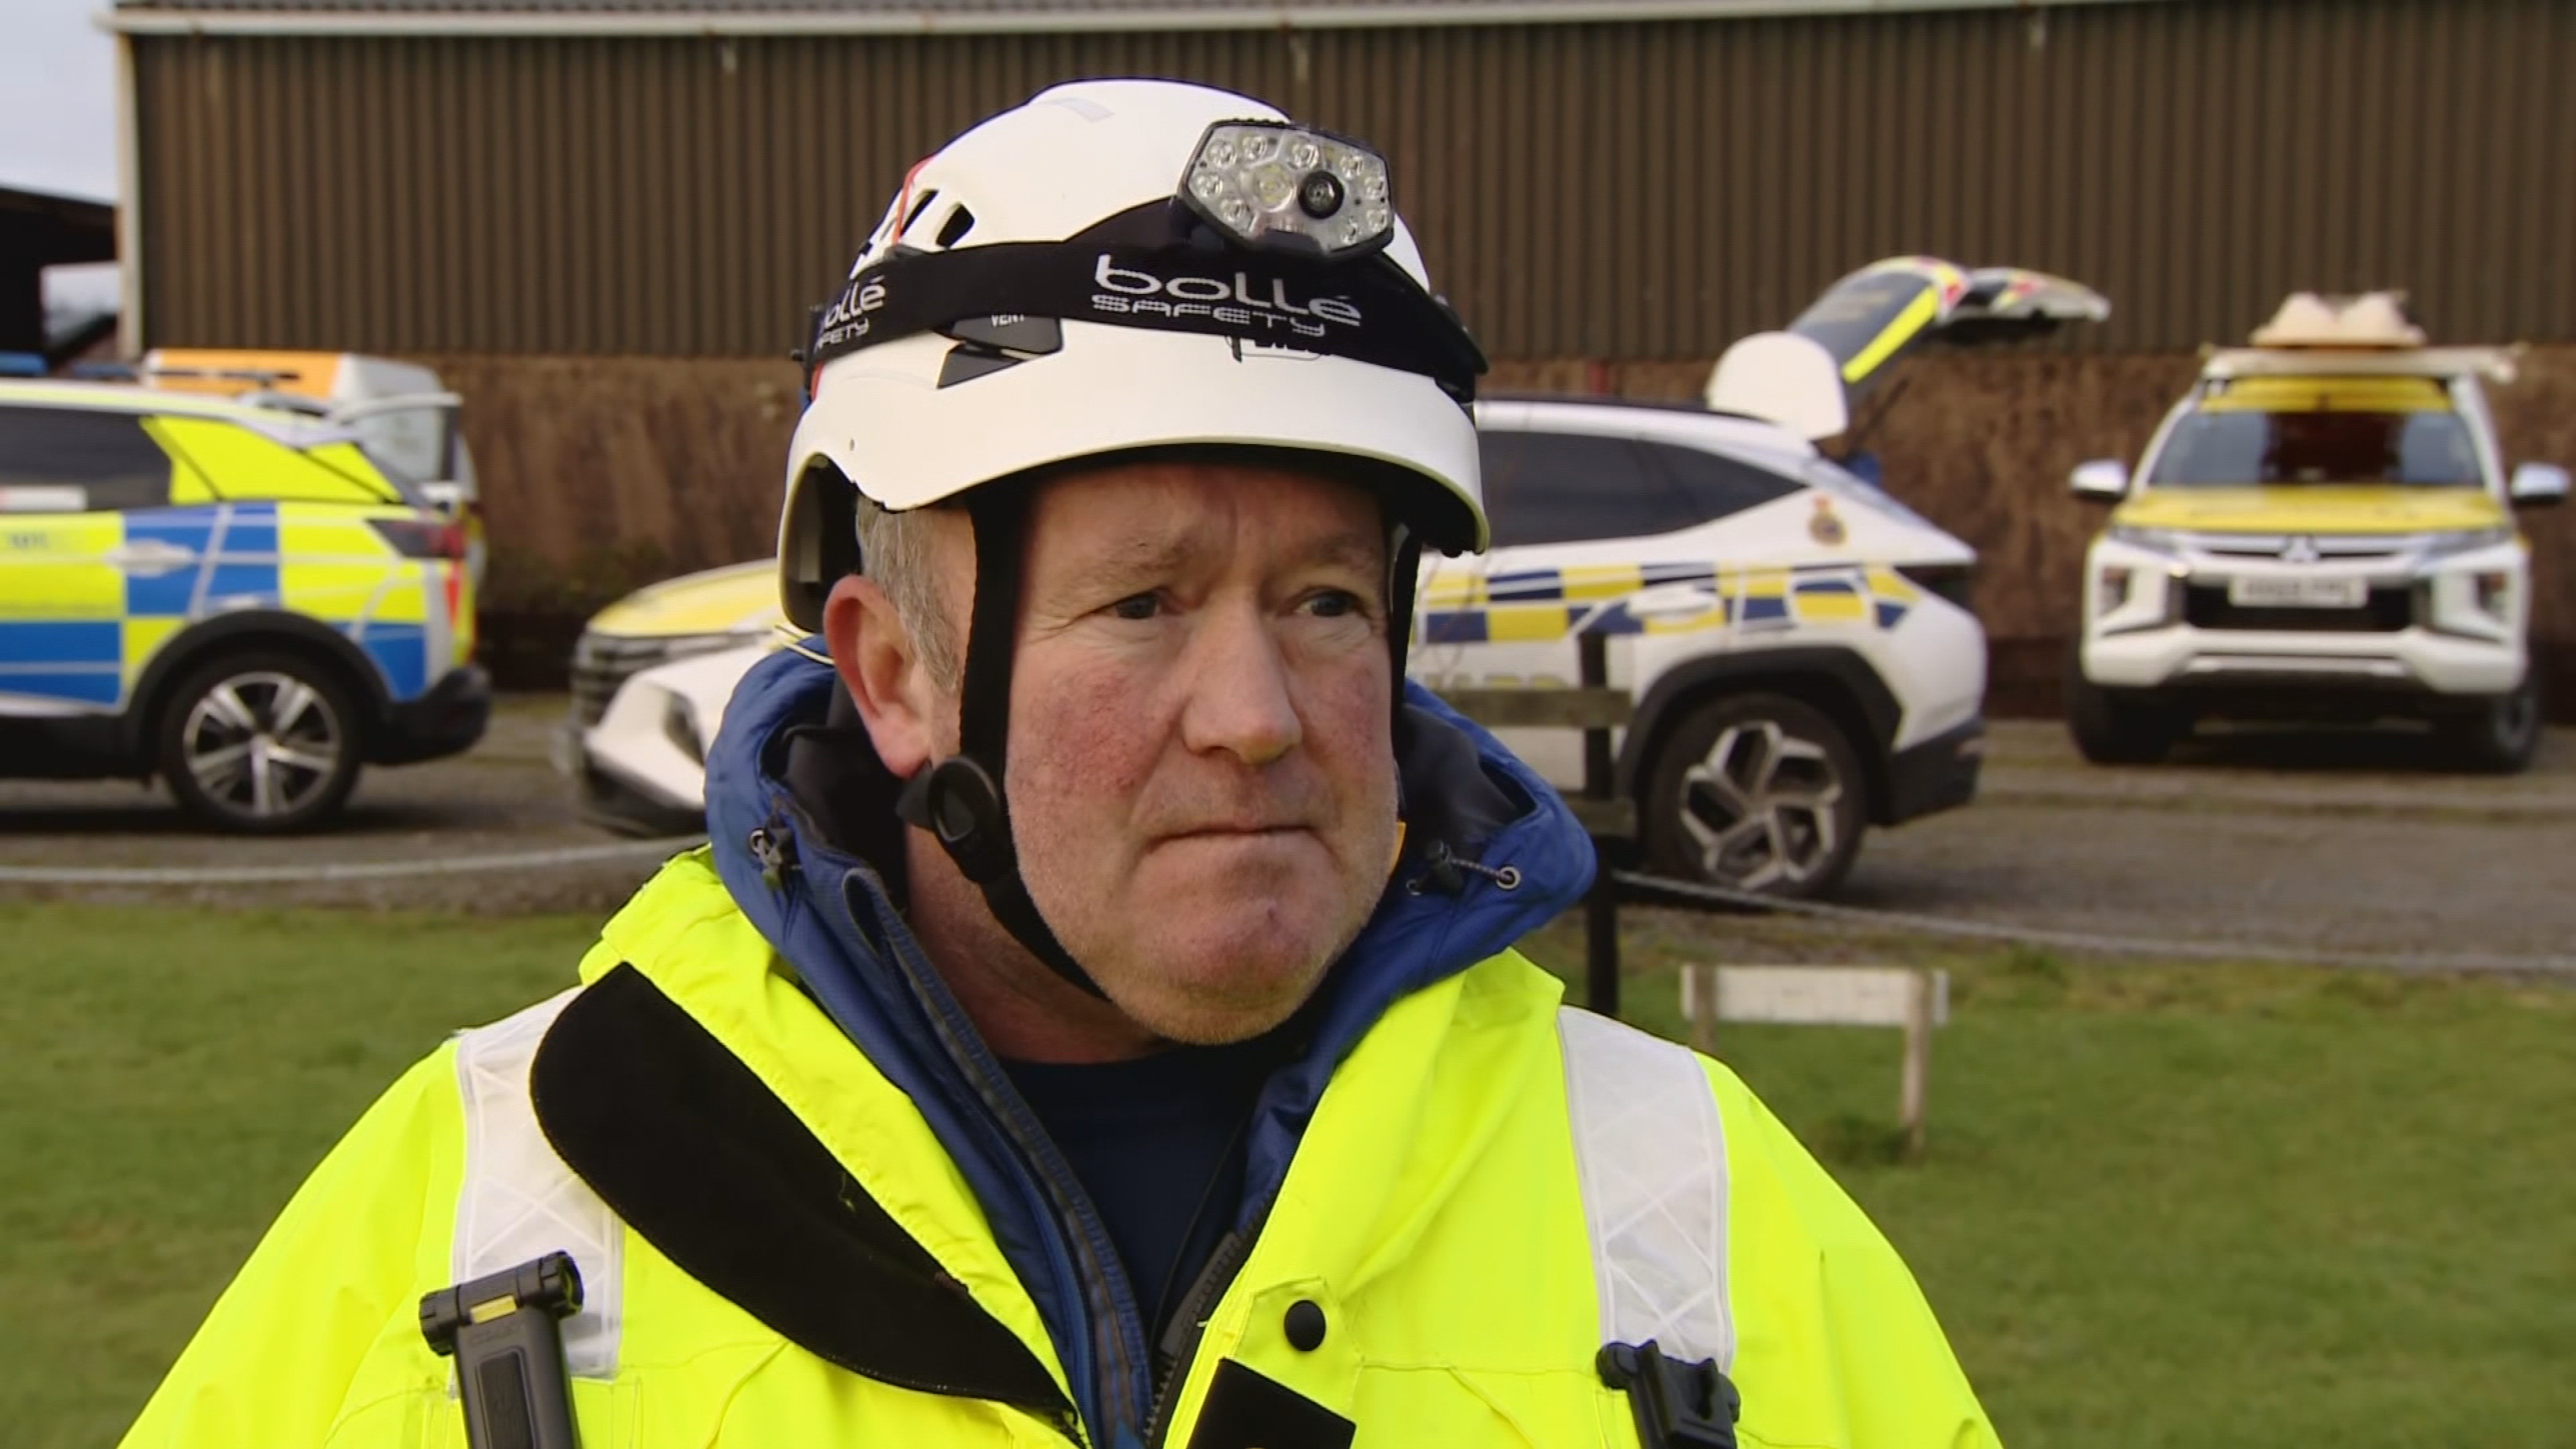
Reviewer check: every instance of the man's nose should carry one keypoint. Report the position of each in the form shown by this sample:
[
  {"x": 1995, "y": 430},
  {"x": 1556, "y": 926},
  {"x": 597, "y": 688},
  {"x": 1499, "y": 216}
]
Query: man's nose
[{"x": 1240, "y": 697}]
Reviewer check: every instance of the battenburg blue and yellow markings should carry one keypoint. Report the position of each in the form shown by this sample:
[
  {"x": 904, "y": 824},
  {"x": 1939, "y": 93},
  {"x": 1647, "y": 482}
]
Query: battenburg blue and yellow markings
[
  {"x": 1538, "y": 605},
  {"x": 1531, "y": 607},
  {"x": 86, "y": 600}
]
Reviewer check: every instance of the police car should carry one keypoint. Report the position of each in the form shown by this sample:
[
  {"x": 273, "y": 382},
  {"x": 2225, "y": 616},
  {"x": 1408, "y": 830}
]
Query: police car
[
  {"x": 2321, "y": 530},
  {"x": 242, "y": 602},
  {"x": 402, "y": 411},
  {"x": 1799, "y": 643},
  {"x": 650, "y": 677}
]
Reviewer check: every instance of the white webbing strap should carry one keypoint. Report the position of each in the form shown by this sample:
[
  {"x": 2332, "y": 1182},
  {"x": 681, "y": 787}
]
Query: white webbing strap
[
  {"x": 520, "y": 1201},
  {"x": 1650, "y": 1151}
]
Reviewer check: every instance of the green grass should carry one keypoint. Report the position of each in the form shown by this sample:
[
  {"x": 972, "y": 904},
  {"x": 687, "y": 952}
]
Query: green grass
[
  {"x": 166, "y": 1078},
  {"x": 2205, "y": 1206},
  {"x": 2202, "y": 1206}
]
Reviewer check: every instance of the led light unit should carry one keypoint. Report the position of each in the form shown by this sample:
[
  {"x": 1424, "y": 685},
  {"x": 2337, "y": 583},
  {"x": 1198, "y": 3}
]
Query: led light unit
[{"x": 1282, "y": 187}]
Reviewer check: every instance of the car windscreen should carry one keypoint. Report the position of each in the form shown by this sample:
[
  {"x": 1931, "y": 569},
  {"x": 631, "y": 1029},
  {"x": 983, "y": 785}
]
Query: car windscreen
[
  {"x": 350, "y": 453},
  {"x": 2239, "y": 449},
  {"x": 416, "y": 444}
]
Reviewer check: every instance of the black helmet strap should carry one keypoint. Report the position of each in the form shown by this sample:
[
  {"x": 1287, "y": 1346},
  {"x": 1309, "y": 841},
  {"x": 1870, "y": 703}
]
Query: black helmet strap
[{"x": 959, "y": 800}]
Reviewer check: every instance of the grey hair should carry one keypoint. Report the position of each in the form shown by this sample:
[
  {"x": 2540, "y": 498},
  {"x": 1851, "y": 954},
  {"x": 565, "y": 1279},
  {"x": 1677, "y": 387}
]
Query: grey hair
[{"x": 894, "y": 551}]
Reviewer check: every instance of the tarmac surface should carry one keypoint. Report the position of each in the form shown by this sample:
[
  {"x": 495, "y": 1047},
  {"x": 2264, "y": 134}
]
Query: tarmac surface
[{"x": 2342, "y": 842}]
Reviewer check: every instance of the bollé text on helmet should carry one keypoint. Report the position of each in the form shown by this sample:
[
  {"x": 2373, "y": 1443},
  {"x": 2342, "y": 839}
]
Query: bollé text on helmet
[
  {"x": 1237, "y": 302},
  {"x": 847, "y": 319}
]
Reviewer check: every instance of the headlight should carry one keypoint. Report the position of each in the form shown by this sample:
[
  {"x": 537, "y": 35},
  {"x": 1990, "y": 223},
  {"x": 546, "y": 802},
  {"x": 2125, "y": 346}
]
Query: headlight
[
  {"x": 2111, "y": 590},
  {"x": 2154, "y": 540},
  {"x": 2470, "y": 540},
  {"x": 1949, "y": 580},
  {"x": 2495, "y": 593},
  {"x": 690, "y": 646},
  {"x": 680, "y": 727}
]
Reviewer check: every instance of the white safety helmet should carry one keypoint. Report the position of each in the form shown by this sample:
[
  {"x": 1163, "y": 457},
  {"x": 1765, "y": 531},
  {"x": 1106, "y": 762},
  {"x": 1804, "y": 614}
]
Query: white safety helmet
[
  {"x": 1116, "y": 267},
  {"x": 1119, "y": 265}
]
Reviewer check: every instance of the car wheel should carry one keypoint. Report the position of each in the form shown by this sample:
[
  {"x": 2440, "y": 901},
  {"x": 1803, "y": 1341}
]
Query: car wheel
[
  {"x": 1758, "y": 793},
  {"x": 2112, "y": 730},
  {"x": 260, "y": 743},
  {"x": 2500, "y": 737}
]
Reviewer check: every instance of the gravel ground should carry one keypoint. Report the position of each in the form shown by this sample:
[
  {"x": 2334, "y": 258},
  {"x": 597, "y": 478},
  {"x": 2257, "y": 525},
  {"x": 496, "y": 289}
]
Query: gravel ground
[{"x": 2341, "y": 842}]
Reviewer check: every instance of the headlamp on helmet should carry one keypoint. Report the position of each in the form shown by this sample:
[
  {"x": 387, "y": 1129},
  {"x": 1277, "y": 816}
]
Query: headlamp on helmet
[{"x": 1279, "y": 186}]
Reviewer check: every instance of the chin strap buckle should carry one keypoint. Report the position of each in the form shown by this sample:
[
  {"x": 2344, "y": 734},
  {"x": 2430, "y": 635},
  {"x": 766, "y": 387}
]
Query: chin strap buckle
[
  {"x": 1678, "y": 1405},
  {"x": 960, "y": 804}
]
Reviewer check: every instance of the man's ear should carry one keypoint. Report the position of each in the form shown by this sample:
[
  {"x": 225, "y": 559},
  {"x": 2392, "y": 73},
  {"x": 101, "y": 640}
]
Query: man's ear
[{"x": 879, "y": 667}]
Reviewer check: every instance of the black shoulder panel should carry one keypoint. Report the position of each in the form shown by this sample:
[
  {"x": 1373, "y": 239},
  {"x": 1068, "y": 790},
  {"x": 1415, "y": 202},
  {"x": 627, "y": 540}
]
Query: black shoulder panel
[{"x": 703, "y": 1160}]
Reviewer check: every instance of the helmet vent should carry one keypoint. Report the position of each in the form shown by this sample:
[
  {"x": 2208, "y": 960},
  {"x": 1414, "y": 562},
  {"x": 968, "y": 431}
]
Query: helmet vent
[
  {"x": 954, "y": 229},
  {"x": 919, "y": 206}
]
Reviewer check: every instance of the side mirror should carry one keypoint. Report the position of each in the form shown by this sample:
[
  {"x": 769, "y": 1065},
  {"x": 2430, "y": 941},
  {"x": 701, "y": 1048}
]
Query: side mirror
[
  {"x": 446, "y": 497},
  {"x": 2536, "y": 484},
  {"x": 2104, "y": 480}
]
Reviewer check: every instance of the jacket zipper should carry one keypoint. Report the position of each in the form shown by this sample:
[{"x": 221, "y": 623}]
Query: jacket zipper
[
  {"x": 1191, "y": 1322},
  {"x": 1022, "y": 1139}
]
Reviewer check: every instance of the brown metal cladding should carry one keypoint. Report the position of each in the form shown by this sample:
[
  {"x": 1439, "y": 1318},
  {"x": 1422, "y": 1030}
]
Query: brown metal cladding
[{"x": 1620, "y": 191}]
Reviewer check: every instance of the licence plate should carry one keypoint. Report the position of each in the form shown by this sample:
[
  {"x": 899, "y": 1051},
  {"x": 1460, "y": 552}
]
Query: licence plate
[{"x": 2298, "y": 593}]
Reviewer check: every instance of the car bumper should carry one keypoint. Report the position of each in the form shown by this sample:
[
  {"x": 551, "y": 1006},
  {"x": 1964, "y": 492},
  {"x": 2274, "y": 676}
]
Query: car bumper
[
  {"x": 612, "y": 800},
  {"x": 448, "y": 720},
  {"x": 2414, "y": 661},
  {"x": 1935, "y": 775}
]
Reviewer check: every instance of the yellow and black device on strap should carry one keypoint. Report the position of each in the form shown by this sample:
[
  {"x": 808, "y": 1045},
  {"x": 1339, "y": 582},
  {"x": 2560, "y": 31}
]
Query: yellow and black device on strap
[{"x": 503, "y": 1332}]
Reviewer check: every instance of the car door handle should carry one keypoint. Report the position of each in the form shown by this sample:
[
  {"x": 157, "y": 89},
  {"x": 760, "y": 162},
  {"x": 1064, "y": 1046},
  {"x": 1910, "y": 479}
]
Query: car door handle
[
  {"x": 1674, "y": 602},
  {"x": 150, "y": 557}
]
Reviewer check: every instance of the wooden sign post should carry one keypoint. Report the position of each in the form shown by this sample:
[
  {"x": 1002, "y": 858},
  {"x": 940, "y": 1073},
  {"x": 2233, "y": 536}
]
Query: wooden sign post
[{"x": 1884, "y": 996}]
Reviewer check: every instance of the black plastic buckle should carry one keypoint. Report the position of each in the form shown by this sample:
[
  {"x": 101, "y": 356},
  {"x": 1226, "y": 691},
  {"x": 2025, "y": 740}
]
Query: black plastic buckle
[
  {"x": 958, "y": 801},
  {"x": 510, "y": 1371},
  {"x": 1678, "y": 1405}
]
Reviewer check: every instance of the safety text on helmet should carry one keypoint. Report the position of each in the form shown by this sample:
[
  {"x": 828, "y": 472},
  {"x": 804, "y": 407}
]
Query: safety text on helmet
[
  {"x": 848, "y": 318},
  {"x": 1239, "y": 302}
]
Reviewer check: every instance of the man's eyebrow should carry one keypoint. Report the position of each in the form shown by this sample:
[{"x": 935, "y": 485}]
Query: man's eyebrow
[
  {"x": 1360, "y": 551},
  {"x": 1151, "y": 555},
  {"x": 1159, "y": 554}
]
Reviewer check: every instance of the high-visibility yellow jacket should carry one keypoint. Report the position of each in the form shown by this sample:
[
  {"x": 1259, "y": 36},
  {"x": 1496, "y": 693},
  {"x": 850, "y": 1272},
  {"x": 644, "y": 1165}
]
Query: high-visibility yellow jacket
[{"x": 781, "y": 1248}]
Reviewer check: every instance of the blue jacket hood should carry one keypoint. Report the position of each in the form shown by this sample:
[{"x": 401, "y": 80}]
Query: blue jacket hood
[{"x": 811, "y": 874}]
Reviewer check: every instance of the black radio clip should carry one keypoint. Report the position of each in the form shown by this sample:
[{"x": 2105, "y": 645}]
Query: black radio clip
[
  {"x": 503, "y": 1330},
  {"x": 1678, "y": 1405}
]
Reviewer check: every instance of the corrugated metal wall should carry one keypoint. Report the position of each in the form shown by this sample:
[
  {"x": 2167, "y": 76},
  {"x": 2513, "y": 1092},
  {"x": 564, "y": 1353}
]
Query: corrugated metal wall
[{"x": 1636, "y": 191}]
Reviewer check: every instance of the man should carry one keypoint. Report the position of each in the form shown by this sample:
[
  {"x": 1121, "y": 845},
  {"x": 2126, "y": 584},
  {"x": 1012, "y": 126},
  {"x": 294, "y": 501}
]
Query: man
[{"x": 1094, "y": 1018}]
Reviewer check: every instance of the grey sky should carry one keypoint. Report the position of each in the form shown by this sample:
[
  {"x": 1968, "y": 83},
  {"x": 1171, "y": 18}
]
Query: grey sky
[
  {"x": 58, "y": 69},
  {"x": 58, "y": 132}
]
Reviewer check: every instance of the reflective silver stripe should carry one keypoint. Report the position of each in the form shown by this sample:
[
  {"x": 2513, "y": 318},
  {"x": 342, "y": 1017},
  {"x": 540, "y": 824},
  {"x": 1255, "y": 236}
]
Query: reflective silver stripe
[
  {"x": 1650, "y": 1151},
  {"x": 519, "y": 1200}
]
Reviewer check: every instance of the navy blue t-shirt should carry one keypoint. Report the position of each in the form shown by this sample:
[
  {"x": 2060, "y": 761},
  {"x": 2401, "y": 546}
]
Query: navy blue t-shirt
[{"x": 1158, "y": 1144}]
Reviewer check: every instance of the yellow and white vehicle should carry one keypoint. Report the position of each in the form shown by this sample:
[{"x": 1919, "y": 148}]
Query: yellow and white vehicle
[
  {"x": 401, "y": 410},
  {"x": 2322, "y": 530},
  {"x": 240, "y": 601},
  {"x": 650, "y": 677}
]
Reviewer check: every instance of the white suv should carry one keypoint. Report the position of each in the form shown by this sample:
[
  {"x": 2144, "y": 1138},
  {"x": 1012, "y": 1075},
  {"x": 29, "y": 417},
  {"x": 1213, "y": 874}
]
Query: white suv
[
  {"x": 2322, "y": 529},
  {"x": 1798, "y": 643}
]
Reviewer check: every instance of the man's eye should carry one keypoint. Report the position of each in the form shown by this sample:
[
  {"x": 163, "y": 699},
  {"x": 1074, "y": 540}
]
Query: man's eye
[
  {"x": 1335, "y": 604},
  {"x": 1137, "y": 606}
]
